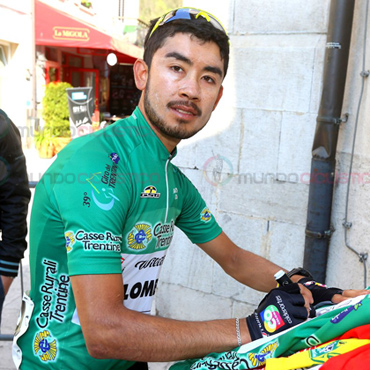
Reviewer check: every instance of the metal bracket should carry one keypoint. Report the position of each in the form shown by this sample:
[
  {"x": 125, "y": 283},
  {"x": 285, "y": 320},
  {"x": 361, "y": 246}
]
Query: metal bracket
[
  {"x": 334, "y": 120},
  {"x": 347, "y": 225},
  {"x": 363, "y": 257},
  {"x": 320, "y": 235}
]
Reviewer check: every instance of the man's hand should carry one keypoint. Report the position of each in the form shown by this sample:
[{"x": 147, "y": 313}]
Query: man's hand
[
  {"x": 281, "y": 309},
  {"x": 349, "y": 293},
  {"x": 323, "y": 294}
]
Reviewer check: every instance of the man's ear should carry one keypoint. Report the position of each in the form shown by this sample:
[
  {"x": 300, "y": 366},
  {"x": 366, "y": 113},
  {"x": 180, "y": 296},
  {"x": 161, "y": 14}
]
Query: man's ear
[
  {"x": 218, "y": 97},
  {"x": 140, "y": 74}
]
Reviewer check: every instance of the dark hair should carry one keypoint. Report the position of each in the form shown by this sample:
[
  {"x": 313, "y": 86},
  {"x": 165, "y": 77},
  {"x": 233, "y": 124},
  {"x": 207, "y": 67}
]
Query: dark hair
[{"x": 200, "y": 28}]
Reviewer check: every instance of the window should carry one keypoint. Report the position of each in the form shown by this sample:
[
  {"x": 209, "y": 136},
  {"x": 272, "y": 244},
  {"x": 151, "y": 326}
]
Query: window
[{"x": 4, "y": 50}]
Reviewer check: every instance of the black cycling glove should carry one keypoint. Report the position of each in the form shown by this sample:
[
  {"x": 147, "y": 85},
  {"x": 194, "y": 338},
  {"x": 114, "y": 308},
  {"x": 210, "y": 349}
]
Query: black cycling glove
[
  {"x": 321, "y": 293},
  {"x": 279, "y": 310}
]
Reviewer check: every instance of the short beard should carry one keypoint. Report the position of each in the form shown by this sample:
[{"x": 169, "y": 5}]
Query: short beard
[{"x": 174, "y": 132}]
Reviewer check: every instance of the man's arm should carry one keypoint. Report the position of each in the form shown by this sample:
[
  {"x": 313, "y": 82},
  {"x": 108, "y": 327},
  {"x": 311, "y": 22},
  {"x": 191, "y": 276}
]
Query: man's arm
[
  {"x": 113, "y": 331},
  {"x": 244, "y": 266},
  {"x": 255, "y": 271}
]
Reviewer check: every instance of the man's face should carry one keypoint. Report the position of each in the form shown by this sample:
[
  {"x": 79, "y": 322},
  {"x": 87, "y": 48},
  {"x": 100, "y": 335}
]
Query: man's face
[{"x": 183, "y": 87}]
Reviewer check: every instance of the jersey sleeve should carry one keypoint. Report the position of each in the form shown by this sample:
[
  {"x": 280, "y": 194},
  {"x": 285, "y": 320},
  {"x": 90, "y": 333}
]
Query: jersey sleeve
[
  {"x": 195, "y": 219},
  {"x": 92, "y": 199}
]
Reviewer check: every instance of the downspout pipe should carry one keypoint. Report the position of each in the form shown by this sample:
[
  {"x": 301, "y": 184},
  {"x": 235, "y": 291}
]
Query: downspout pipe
[{"x": 318, "y": 225}]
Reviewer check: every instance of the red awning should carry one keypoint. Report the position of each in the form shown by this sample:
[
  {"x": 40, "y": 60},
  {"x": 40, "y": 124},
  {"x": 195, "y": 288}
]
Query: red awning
[{"x": 56, "y": 28}]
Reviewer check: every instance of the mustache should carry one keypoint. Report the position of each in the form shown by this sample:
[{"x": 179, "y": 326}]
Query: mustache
[{"x": 186, "y": 104}]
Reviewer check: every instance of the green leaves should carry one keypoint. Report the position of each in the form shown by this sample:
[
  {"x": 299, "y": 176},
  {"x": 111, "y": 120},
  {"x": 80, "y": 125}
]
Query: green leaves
[{"x": 55, "y": 109}]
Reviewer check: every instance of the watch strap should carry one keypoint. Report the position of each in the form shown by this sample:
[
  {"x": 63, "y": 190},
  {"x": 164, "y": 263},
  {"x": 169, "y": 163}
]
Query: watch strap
[{"x": 300, "y": 271}]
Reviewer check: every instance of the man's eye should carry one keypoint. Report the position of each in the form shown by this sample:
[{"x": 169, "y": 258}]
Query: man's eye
[
  {"x": 209, "y": 79},
  {"x": 177, "y": 68}
]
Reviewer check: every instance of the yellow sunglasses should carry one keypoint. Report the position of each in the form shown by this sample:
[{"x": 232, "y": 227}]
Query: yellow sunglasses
[{"x": 190, "y": 14}]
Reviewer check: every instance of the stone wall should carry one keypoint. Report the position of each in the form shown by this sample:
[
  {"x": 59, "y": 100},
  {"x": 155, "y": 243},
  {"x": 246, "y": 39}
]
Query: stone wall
[{"x": 252, "y": 161}]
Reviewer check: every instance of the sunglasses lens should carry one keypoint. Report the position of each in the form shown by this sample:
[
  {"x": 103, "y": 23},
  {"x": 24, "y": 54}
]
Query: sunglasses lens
[{"x": 188, "y": 13}]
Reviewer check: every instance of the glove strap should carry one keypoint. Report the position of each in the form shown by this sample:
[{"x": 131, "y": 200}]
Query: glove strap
[{"x": 255, "y": 326}]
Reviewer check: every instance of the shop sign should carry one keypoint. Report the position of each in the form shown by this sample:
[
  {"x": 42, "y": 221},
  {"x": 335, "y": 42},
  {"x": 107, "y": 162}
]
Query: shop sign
[{"x": 71, "y": 33}]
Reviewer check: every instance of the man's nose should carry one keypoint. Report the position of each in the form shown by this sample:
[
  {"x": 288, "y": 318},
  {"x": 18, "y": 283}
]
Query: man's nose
[{"x": 190, "y": 88}]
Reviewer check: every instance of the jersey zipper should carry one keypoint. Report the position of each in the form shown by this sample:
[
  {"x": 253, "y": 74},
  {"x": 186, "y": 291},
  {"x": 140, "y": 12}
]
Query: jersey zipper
[{"x": 167, "y": 190}]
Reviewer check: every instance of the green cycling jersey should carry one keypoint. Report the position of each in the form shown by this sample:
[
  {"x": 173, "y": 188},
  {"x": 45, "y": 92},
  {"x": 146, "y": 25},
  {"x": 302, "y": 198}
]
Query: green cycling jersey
[{"x": 108, "y": 204}]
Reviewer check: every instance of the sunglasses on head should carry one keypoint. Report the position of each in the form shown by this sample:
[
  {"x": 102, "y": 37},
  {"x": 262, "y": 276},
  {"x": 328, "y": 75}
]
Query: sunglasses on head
[{"x": 190, "y": 14}]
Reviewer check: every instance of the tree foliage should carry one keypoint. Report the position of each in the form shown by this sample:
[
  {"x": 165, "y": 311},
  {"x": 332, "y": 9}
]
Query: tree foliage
[{"x": 150, "y": 9}]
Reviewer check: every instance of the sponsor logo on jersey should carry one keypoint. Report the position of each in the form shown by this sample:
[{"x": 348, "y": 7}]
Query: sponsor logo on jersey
[
  {"x": 107, "y": 201},
  {"x": 164, "y": 234},
  {"x": 175, "y": 193},
  {"x": 338, "y": 318},
  {"x": 259, "y": 359},
  {"x": 109, "y": 176},
  {"x": 104, "y": 198},
  {"x": 45, "y": 346},
  {"x": 114, "y": 157},
  {"x": 55, "y": 292},
  {"x": 140, "y": 289},
  {"x": 139, "y": 237},
  {"x": 70, "y": 240},
  {"x": 272, "y": 319},
  {"x": 205, "y": 215},
  {"x": 150, "y": 192},
  {"x": 96, "y": 241},
  {"x": 153, "y": 262},
  {"x": 322, "y": 354}
]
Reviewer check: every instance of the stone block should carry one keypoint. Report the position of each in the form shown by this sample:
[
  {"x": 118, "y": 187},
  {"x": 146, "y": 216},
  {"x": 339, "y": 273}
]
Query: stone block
[
  {"x": 287, "y": 244},
  {"x": 259, "y": 150},
  {"x": 281, "y": 16},
  {"x": 297, "y": 133},
  {"x": 246, "y": 232},
  {"x": 242, "y": 309},
  {"x": 272, "y": 200},
  {"x": 221, "y": 138},
  {"x": 187, "y": 265},
  {"x": 208, "y": 190},
  {"x": 276, "y": 73},
  {"x": 181, "y": 303}
]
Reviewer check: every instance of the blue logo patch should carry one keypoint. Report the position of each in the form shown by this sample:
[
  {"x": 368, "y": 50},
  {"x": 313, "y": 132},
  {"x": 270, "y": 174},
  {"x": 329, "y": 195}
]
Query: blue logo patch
[{"x": 114, "y": 157}]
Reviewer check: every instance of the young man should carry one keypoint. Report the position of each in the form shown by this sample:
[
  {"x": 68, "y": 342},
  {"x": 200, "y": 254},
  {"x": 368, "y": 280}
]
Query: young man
[{"x": 104, "y": 216}]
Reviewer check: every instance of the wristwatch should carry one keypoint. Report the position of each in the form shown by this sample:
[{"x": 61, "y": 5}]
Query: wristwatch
[{"x": 300, "y": 271}]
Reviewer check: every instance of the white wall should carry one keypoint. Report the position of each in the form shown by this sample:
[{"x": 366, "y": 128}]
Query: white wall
[{"x": 15, "y": 89}]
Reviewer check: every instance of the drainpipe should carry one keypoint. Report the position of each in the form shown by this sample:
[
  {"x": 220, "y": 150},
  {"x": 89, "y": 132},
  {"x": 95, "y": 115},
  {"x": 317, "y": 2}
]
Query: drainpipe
[{"x": 318, "y": 227}]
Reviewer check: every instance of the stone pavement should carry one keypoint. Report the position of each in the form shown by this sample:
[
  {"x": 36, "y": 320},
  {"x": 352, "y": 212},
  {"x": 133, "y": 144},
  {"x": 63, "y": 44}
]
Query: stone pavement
[{"x": 10, "y": 315}]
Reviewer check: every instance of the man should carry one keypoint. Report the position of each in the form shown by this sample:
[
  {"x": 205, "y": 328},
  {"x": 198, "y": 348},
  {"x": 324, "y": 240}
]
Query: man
[
  {"x": 104, "y": 216},
  {"x": 14, "y": 198}
]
